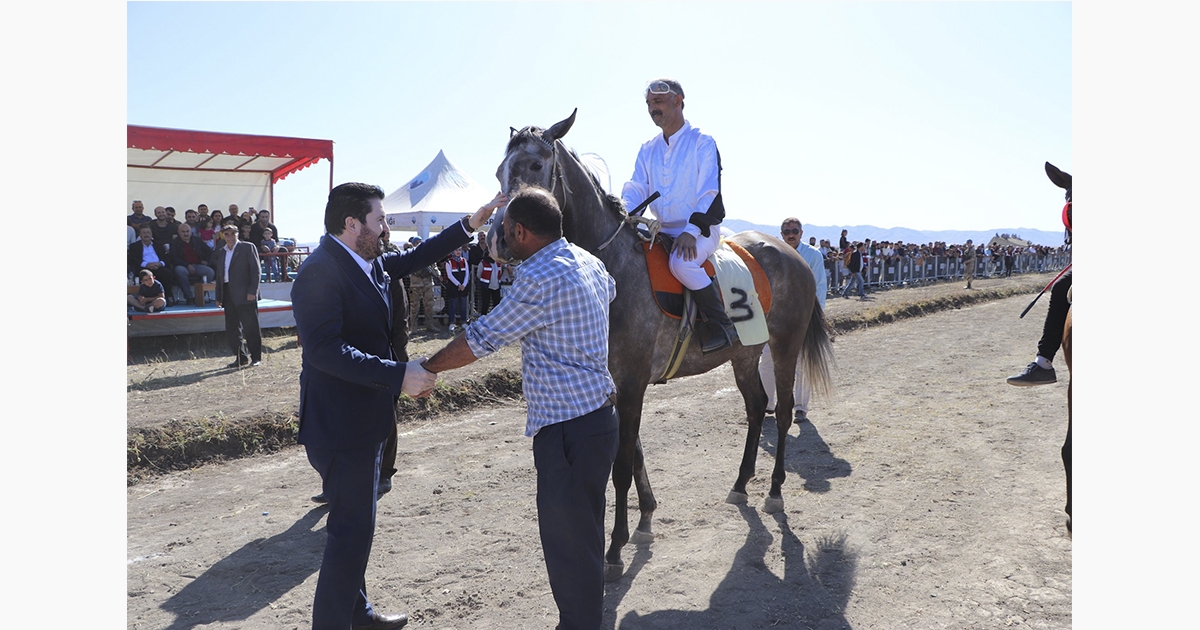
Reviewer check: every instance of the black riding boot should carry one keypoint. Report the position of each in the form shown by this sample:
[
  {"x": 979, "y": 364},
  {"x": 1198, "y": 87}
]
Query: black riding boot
[{"x": 717, "y": 332}]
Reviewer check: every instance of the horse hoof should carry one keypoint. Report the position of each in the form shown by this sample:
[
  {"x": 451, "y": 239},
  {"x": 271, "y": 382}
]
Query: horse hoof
[
  {"x": 640, "y": 537},
  {"x": 737, "y": 498},
  {"x": 773, "y": 505},
  {"x": 613, "y": 572}
]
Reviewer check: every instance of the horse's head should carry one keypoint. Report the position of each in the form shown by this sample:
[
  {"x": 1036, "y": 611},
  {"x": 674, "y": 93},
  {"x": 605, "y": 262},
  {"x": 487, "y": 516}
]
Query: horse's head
[
  {"x": 1062, "y": 180},
  {"x": 529, "y": 156},
  {"x": 528, "y": 160}
]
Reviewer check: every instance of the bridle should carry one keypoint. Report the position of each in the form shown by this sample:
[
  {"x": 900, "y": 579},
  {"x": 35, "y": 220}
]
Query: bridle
[{"x": 557, "y": 180}]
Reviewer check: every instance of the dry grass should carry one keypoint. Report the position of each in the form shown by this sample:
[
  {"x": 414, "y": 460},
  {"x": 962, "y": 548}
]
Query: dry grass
[
  {"x": 893, "y": 311},
  {"x": 183, "y": 444}
]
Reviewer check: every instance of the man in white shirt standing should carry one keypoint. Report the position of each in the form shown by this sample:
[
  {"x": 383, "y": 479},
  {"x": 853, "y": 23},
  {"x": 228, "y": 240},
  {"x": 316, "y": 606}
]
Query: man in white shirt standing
[
  {"x": 790, "y": 232},
  {"x": 683, "y": 166}
]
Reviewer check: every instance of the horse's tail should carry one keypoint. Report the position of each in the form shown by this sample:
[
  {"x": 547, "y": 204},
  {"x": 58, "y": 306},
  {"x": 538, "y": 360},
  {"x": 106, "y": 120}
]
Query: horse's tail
[{"x": 817, "y": 353}]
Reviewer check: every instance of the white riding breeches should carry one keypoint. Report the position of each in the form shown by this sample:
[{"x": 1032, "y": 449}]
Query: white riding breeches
[
  {"x": 766, "y": 371},
  {"x": 688, "y": 271}
]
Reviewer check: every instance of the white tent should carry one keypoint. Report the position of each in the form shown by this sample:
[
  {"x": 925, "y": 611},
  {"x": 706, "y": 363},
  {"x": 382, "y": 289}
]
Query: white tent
[{"x": 439, "y": 195}]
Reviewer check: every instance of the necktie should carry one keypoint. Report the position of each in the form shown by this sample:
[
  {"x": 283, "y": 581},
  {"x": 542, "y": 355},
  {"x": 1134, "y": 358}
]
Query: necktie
[{"x": 377, "y": 275}]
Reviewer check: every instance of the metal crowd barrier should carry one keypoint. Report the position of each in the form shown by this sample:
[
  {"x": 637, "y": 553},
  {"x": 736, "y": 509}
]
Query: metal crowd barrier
[{"x": 902, "y": 272}]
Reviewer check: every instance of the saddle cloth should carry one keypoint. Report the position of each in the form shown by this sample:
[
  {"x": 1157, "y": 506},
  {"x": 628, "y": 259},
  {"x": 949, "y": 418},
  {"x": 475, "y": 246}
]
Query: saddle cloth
[{"x": 744, "y": 287}]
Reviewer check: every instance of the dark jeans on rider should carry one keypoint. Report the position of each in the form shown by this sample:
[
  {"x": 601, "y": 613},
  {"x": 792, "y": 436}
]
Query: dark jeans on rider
[
  {"x": 573, "y": 460},
  {"x": 1056, "y": 318}
]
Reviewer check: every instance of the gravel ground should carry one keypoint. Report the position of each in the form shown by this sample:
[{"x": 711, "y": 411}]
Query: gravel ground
[{"x": 925, "y": 493}]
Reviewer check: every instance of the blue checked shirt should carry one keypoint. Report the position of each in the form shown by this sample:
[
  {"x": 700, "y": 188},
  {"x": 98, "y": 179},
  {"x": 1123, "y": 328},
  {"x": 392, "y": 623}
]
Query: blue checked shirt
[{"x": 558, "y": 309}]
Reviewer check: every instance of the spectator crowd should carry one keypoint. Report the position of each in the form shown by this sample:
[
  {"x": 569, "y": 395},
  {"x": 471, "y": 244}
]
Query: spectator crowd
[
  {"x": 179, "y": 254},
  {"x": 877, "y": 257}
]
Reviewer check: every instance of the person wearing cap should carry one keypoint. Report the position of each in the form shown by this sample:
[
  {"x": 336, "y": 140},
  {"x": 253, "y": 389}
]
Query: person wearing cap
[
  {"x": 682, "y": 164},
  {"x": 968, "y": 259},
  {"x": 238, "y": 274}
]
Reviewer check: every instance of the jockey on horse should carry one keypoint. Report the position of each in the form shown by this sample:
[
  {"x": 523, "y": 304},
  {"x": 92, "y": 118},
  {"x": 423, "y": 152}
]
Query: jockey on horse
[
  {"x": 1041, "y": 371},
  {"x": 683, "y": 165}
]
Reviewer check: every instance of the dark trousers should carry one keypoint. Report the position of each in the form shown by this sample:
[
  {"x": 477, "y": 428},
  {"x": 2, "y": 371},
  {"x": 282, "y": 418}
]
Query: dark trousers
[
  {"x": 348, "y": 479},
  {"x": 487, "y": 299},
  {"x": 574, "y": 460},
  {"x": 1056, "y": 318},
  {"x": 242, "y": 332},
  {"x": 456, "y": 307},
  {"x": 387, "y": 466}
]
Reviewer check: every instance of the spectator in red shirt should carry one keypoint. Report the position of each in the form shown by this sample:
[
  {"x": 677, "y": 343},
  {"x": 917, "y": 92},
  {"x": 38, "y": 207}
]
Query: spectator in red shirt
[{"x": 189, "y": 258}]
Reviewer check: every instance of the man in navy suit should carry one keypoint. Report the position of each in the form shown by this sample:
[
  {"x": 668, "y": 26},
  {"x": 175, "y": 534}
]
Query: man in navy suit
[{"x": 350, "y": 379}]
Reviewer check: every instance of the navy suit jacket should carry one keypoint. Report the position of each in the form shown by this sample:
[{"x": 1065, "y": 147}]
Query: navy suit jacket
[{"x": 349, "y": 380}]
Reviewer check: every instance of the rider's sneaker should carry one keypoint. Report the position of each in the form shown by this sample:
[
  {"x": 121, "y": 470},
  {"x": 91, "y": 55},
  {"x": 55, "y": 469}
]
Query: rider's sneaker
[{"x": 1034, "y": 374}]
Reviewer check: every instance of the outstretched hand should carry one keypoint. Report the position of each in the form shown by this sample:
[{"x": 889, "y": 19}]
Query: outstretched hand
[
  {"x": 481, "y": 216},
  {"x": 418, "y": 382}
]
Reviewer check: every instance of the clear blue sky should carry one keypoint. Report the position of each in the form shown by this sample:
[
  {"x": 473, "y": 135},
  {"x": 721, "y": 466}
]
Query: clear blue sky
[{"x": 931, "y": 115}]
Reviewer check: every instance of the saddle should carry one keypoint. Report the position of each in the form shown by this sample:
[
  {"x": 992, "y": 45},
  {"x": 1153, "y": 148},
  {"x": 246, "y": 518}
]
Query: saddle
[
  {"x": 731, "y": 274},
  {"x": 668, "y": 291}
]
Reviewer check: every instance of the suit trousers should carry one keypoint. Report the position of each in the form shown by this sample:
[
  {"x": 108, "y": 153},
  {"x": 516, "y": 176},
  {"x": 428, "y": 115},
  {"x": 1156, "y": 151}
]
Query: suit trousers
[
  {"x": 241, "y": 326},
  {"x": 348, "y": 479},
  {"x": 573, "y": 460}
]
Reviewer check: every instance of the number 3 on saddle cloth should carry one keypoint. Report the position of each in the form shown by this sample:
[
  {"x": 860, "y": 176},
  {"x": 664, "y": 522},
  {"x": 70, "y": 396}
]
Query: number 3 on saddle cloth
[{"x": 743, "y": 285}]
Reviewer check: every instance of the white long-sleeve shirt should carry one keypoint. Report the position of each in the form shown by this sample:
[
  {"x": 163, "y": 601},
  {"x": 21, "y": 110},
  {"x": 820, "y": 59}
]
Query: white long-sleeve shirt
[
  {"x": 816, "y": 262},
  {"x": 685, "y": 171}
]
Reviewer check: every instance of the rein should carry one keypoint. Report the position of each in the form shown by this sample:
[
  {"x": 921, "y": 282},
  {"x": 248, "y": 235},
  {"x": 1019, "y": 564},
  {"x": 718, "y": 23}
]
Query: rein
[{"x": 634, "y": 218}]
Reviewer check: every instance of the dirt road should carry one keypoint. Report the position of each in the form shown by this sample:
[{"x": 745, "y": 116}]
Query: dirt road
[{"x": 926, "y": 493}]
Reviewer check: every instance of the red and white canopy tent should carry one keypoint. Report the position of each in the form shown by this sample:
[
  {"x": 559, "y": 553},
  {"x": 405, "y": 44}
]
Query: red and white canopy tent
[{"x": 183, "y": 168}]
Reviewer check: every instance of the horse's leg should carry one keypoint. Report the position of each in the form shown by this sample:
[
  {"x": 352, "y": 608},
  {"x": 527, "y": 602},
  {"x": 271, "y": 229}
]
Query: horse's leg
[
  {"x": 1066, "y": 456},
  {"x": 629, "y": 408},
  {"x": 1066, "y": 449},
  {"x": 646, "y": 503},
  {"x": 785, "y": 378},
  {"x": 745, "y": 372}
]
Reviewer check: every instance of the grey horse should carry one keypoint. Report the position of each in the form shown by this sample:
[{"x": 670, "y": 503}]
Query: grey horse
[{"x": 641, "y": 336}]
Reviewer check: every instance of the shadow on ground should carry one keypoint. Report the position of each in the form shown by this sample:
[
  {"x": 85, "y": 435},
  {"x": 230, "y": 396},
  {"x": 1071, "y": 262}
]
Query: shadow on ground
[
  {"x": 251, "y": 578},
  {"x": 806, "y": 455},
  {"x": 812, "y": 593}
]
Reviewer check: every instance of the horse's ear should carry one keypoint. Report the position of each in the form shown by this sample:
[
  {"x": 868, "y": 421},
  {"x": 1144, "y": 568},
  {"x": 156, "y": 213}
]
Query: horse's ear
[
  {"x": 512, "y": 132},
  {"x": 1060, "y": 179},
  {"x": 560, "y": 128}
]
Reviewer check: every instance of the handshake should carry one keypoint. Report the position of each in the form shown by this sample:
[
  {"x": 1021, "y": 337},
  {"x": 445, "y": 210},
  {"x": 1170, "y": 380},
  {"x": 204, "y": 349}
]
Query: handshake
[{"x": 418, "y": 382}]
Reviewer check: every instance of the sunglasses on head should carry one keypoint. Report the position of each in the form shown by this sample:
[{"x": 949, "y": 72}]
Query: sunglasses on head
[
  {"x": 660, "y": 87},
  {"x": 791, "y": 231}
]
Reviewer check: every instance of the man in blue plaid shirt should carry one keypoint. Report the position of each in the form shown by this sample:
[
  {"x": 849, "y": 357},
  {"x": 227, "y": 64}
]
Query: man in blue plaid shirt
[{"x": 558, "y": 309}]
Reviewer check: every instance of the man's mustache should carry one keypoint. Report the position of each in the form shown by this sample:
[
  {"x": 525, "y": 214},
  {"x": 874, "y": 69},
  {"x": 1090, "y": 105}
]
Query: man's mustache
[{"x": 655, "y": 112}]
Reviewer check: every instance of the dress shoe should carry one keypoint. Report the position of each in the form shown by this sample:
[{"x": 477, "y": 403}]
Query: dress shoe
[
  {"x": 238, "y": 363},
  {"x": 320, "y": 498},
  {"x": 383, "y": 622}
]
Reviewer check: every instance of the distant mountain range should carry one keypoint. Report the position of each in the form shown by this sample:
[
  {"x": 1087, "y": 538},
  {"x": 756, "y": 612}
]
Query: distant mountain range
[{"x": 859, "y": 232}]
